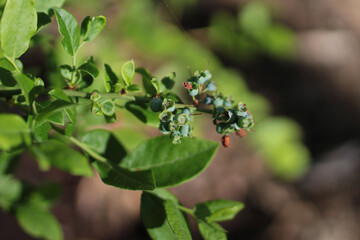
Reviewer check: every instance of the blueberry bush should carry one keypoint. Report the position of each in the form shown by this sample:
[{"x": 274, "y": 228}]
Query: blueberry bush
[{"x": 39, "y": 118}]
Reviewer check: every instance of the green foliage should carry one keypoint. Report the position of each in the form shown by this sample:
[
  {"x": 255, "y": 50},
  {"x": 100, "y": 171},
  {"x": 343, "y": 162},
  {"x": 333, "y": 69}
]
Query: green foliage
[
  {"x": 18, "y": 25},
  {"x": 53, "y": 117},
  {"x": 69, "y": 29}
]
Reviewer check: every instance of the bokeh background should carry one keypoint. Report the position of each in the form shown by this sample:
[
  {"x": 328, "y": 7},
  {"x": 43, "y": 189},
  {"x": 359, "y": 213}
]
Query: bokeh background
[{"x": 296, "y": 64}]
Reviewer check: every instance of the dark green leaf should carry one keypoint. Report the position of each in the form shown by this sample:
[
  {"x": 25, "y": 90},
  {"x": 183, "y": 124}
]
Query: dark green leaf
[
  {"x": 54, "y": 108},
  {"x": 133, "y": 88},
  {"x": 43, "y": 19},
  {"x": 63, "y": 157},
  {"x": 9, "y": 162},
  {"x": 105, "y": 144},
  {"x": 128, "y": 72},
  {"x": 110, "y": 79},
  {"x": 69, "y": 29},
  {"x": 143, "y": 113},
  {"x": 169, "y": 81},
  {"x": 38, "y": 222},
  {"x": 26, "y": 85},
  {"x": 211, "y": 231},
  {"x": 171, "y": 164},
  {"x": 91, "y": 27},
  {"x": 218, "y": 210},
  {"x": 14, "y": 132},
  {"x": 177, "y": 220},
  {"x": 153, "y": 216},
  {"x": 45, "y": 195},
  {"x": 90, "y": 68},
  {"x": 18, "y": 25},
  {"x": 6, "y": 70},
  {"x": 146, "y": 80},
  {"x": 46, "y": 5}
]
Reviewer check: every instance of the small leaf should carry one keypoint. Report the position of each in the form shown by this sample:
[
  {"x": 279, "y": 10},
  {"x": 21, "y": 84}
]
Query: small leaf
[
  {"x": 90, "y": 68},
  {"x": 218, "y": 210},
  {"x": 110, "y": 79},
  {"x": 69, "y": 29},
  {"x": 91, "y": 27},
  {"x": 38, "y": 222},
  {"x": 177, "y": 220},
  {"x": 63, "y": 157},
  {"x": 128, "y": 72},
  {"x": 66, "y": 71},
  {"x": 133, "y": 88},
  {"x": 46, "y": 5},
  {"x": 210, "y": 231},
  {"x": 14, "y": 132},
  {"x": 169, "y": 81},
  {"x": 41, "y": 132},
  {"x": 143, "y": 113},
  {"x": 53, "y": 108},
  {"x": 171, "y": 164},
  {"x": 146, "y": 80},
  {"x": 6, "y": 70},
  {"x": 107, "y": 106},
  {"x": 153, "y": 216},
  {"x": 18, "y": 25}
]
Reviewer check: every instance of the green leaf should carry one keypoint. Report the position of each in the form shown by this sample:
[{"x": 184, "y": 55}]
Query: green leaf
[
  {"x": 110, "y": 79},
  {"x": 14, "y": 132},
  {"x": 9, "y": 162},
  {"x": 26, "y": 85},
  {"x": 143, "y": 113},
  {"x": 91, "y": 27},
  {"x": 218, "y": 210},
  {"x": 45, "y": 195},
  {"x": 90, "y": 68},
  {"x": 105, "y": 144},
  {"x": 46, "y": 5},
  {"x": 128, "y": 72},
  {"x": 177, "y": 220},
  {"x": 63, "y": 157},
  {"x": 69, "y": 29},
  {"x": 41, "y": 132},
  {"x": 153, "y": 216},
  {"x": 6, "y": 70},
  {"x": 54, "y": 108},
  {"x": 146, "y": 80},
  {"x": 43, "y": 19},
  {"x": 66, "y": 71},
  {"x": 133, "y": 88},
  {"x": 38, "y": 222},
  {"x": 169, "y": 81},
  {"x": 10, "y": 191},
  {"x": 18, "y": 25},
  {"x": 171, "y": 164},
  {"x": 211, "y": 231},
  {"x": 107, "y": 106}
]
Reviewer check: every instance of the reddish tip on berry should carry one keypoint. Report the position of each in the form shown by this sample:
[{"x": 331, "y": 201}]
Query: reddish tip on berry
[
  {"x": 123, "y": 91},
  {"x": 187, "y": 85},
  {"x": 225, "y": 140},
  {"x": 241, "y": 133},
  {"x": 196, "y": 103}
]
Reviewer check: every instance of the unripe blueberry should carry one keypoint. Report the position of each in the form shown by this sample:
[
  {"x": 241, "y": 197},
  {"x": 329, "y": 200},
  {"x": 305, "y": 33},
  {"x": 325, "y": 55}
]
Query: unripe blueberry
[
  {"x": 164, "y": 127},
  {"x": 204, "y": 76},
  {"x": 169, "y": 105},
  {"x": 173, "y": 126},
  {"x": 195, "y": 90},
  {"x": 176, "y": 137},
  {"x": 166, "y": 116},
  {"x": 182, "y": 119},
  {"x": 218, "y": 102},
  {"x": 156, "y": 105},
  {"x": 242, "y": 107},
  {"x": 187, "y": 112},
  {"x": 211, "y": 86},
  {"x": 185, "y": 130},
  {"x": 235, "y": 126},
  {"x": 208, "y": 100}
]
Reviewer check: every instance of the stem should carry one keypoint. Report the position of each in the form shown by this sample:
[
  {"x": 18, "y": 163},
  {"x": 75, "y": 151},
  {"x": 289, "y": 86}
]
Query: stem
[
  {"x": 13, "y": 63},
  {"x": 9, "y": 91},
  {"x": 187, "y": 210},
  {"x": 72, "y": 93},
  {"x": 85, "y": 148}
]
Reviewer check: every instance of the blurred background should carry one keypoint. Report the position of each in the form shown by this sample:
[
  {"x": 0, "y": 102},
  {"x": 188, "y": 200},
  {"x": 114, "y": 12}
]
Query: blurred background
[{"x": 296, "y": 64}]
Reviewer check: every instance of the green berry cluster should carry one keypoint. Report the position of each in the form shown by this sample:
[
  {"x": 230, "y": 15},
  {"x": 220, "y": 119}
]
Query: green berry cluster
[
  {"x": 101, "y": 106},
  {"x": 173, "y": 121}
]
